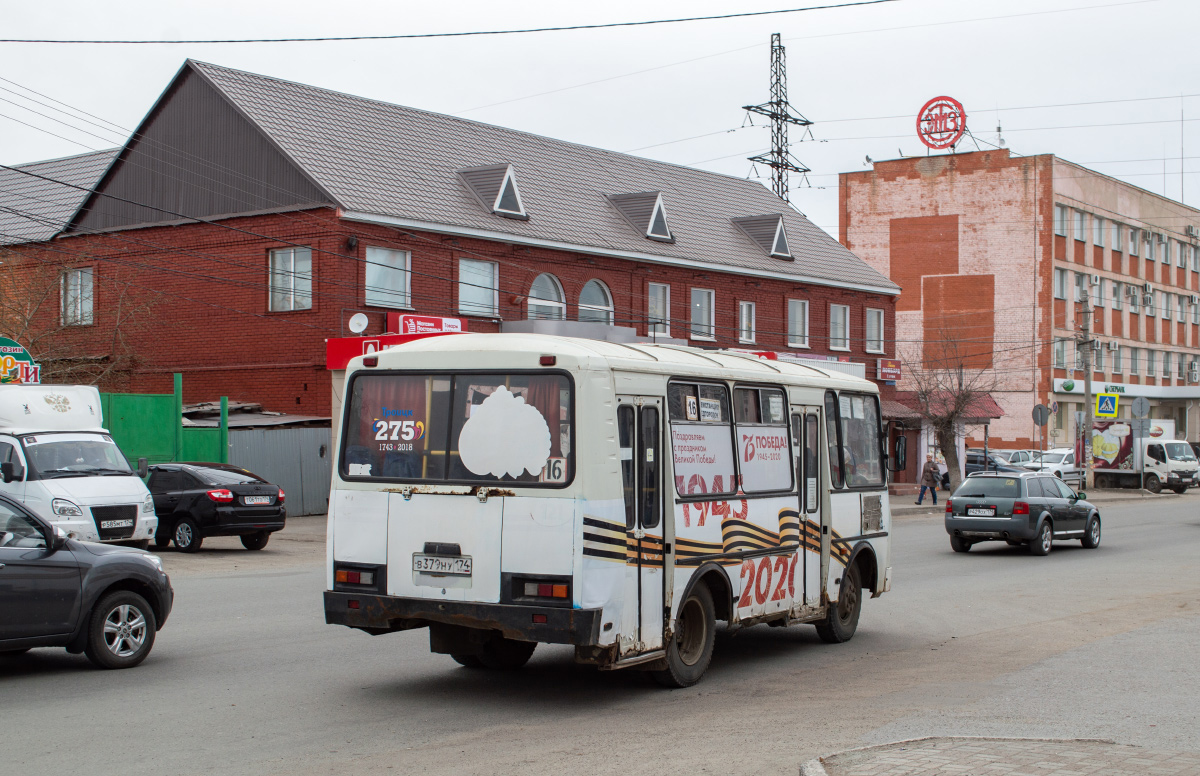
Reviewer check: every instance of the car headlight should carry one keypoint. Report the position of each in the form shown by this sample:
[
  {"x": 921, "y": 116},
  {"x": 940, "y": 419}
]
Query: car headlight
[
  {"x": 148, "y": 506},
  {"x": 64, "y": 508},
  {"x": 157, "y": 561}
]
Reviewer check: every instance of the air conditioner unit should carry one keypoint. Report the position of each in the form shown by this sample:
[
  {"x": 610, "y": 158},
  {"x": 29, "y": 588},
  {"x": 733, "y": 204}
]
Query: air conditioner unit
[
  {"x": 1162, "y": 238},
  {"x": 1148, "y": 300},
  {"x": 1097, "y": 345},
  {"x": 1147, "y": 287},
  {"x": 1095, "y": 280},
  {"x": 1114, "y": 346},
  {"x": 1194, "y": 299},
  {"x": 1131, "y": 291},
  {"x": 1194, "y": 373},
  {"x": 1191, "y": 231}
]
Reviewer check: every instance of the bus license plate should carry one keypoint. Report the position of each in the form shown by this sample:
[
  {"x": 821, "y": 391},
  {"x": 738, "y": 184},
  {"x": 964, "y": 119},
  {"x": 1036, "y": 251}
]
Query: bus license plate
[
  {"x": 981, "y": 511},
  {"x": 438, "y": 564},
  {"x": 249, "y": 500}
]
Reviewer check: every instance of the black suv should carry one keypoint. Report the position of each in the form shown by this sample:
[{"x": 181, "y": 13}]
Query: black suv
[
  {"x": 100, "y": 599},
  {"x": 195, "y": 500},
  {"x": 1029, "y": 508}
]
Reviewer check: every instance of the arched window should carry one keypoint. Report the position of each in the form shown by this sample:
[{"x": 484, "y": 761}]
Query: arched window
[
  {"x": 546, "y": 299},
  {"x": 595, "y": 303}
]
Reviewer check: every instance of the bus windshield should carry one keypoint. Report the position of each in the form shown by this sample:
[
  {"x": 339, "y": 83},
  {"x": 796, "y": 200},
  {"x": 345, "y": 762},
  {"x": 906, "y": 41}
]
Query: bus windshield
[{"x": 465, "y": 428}]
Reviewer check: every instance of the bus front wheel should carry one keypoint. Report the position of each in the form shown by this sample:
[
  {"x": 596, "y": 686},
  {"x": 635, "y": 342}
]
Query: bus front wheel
[
  {"x": 842, "y": 620},
  {"x": 691, "y": 646}
]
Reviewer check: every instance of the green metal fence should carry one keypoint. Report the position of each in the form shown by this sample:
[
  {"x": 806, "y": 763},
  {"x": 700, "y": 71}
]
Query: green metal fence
[{"x": 150, "y": 426}]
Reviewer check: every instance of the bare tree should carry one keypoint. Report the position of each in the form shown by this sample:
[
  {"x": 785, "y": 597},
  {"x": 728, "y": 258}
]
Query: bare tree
[
  {"x": 951, "y": 377},
  {"x": 48, "y": 306}
]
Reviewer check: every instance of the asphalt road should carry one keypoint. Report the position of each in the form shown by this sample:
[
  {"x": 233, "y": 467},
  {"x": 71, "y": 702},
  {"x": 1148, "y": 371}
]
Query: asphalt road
[{"x": 247, "y": 678}]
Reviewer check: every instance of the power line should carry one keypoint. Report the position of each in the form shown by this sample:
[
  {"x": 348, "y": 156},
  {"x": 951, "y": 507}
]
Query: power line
[{"x": 456, "y": 34}]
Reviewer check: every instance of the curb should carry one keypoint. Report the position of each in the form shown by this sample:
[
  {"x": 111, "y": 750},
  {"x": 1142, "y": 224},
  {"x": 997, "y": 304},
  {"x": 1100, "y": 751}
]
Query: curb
[{"x": 816, "y": 767}]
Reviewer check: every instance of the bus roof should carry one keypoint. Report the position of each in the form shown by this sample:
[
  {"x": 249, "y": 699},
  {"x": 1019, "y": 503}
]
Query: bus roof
[{"x": 507, "y": 351}]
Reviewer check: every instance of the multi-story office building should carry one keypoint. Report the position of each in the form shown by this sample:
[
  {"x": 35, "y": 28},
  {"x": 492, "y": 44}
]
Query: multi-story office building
[{"x": 995, "y": 254}]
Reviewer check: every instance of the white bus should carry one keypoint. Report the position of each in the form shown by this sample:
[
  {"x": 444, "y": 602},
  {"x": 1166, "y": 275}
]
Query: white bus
[{"x": 507, "y": 489}]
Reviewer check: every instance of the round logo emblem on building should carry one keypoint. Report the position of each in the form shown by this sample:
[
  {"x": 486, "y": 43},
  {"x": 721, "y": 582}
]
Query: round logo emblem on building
[
  {"x": 1068, "y": 386},
  {"x": 941, "y": 123}
]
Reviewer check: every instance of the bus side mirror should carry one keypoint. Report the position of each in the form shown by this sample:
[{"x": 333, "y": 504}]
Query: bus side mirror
[
  {"x": 143, "y": 468},
  {"x": 12, "y": 470},
  {"x": 901, "y": 459}
]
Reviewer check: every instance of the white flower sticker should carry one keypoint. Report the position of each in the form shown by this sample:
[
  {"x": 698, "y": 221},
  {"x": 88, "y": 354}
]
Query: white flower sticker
[{"x": 504, "y": 435}]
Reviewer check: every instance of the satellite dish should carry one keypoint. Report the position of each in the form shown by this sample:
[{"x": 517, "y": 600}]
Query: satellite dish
[{"x": 358, "y": 323}]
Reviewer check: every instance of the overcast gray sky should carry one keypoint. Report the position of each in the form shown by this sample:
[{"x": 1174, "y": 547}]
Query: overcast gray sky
[{"x": 860, "y": 73}]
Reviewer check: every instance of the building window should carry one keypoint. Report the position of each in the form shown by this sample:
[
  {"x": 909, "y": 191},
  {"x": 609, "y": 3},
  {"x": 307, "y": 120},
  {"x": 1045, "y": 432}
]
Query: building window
[
  {"x": 702, "y": 314},
  {"x": 1134, "y": 239},
  {"x": 1134, "y": 356},
  {"x": 1151, "y": 301},
  {"x": 1167, "y": 297},
  {"x": 387, "y": 277},
  {"x": 1080, "y": 285},
  {"x": 1116, "y": 237},
  {"x": 76, "y": 294},
  {"x": 658, "y": 308},
  {"x": 1135, "y": 299},
  {"x": 546, "y": 301},
  {"x": 1195, "y": 312},
  {"x": 595, "y": 303},
  {"x": 1100, "y": 292},
  {"x": 1166, "y": 365},
  {"x": 839, "y": 327},
  {"x": 874, "y": 331},
  {"x": 1182, "y": 369},
  {"x": 746, "y": 322},
  {"x": 1098, "y": 356},
  {"x": 1180, "y": 308},
  {"x": 1098, "y": 231},
  {"x": 1195, "y": 252},
  {"x": 1117, "y": 289},
  {"x": 291, "y": 279},
  {"x": 1060, "y": 220},
  {"x": 1060, "y": 284},
  {"x": 1060, "y": 354},
  {"x": 1164, "y": 249},
  {"x": 797, "y": 315},
  {"x": 1150, "y": 359},
  {"x": 478, "y": 288},
  {"x": 1079, "y": 355},
  {"x": 1180, "y": 257},
  {"x": 1080, "y": 225},
  {"x": 1118, "y": 367}
]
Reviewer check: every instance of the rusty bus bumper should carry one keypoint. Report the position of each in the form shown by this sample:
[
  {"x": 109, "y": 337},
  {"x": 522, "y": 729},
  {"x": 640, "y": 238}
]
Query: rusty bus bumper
[{"x": 384, "y": 614}]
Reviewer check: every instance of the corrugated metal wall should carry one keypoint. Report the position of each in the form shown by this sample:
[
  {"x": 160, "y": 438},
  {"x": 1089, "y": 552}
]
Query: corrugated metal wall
[{"x": 295, "y": 459}]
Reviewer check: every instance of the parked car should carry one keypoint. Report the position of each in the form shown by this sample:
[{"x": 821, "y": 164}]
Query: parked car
[
  {"x": 1060, "y": 462},
  {"x": 103, "y": 600},
  {"x": 1031, "y": 508},
  {"x": 197, "y": 500},
  {"x": 1022, "y": 457},
  {"x": 975, "y": 463}
]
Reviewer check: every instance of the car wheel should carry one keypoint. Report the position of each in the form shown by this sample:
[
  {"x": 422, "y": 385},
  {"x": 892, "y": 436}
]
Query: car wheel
[
  {"x": 256, "y": 541},
  {"x": 842, "y": 620},
  {"x": 1091, "y": 537},
  {"x": 162, "y": 538},
  {"x": 1179, "y": 490},
  {"x": 1153, "y": 483},
  {"x": 506, "y": 654},
  {"x": 187, "y": 536},
  {"x": 470, "y": 661},
  {"x": 691, "y": 646},
  {"x": 1043, "y": 542},
  {"x": 120, "y": 630},
  {"x": 959, "y": 544},
  {"x": 143, "y": 544}
]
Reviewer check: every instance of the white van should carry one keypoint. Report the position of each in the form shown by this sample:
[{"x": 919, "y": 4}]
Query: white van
[{"x": 56, "y": 458}]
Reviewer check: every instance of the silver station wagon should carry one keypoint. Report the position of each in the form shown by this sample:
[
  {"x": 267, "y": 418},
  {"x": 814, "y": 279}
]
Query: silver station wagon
[{"x": 1028, "y": 508}]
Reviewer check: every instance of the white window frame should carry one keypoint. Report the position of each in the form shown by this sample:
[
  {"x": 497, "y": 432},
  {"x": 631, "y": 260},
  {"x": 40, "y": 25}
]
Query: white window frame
[
  {"x": 77, "y": 292},
  {"x": 839, "y": 311},
  {"x": 378, "y": 264},
  {"x": 871, "y": 346},
  {"x": 1134, "y": 356},
  {"x": 658, "y": 325},
  {"x": 1060, "y": 283},
  {"x": 1195, "y": 257},
  {"x": 708, "y": 300},
  {"x": 471, "y": 308},
  {"x": 1151, "y": 358},
  {"x": 1098, "y": 357},
  {"x": 1098, "y": 231},
  {"x": 559, "y": 305},
  {"x": 1081, "y": 281},
  {"x": 1166, "y": 365},
  {"x": 797, "y": 339},
  {"x": 1060, "y": 354},
  {"x": 1196, "y": 313},
  {"x": 289, "y": 281},
  {"x": 1080, "y": 225},
  {"x": 607, "y": 312},
  {"x": 1099, "y": 300},
  {"x": 1117, "y": 235},
  {"x": 746, "y": 327},
  {"x": 1152, "y": 308},
  {"x": 1118, "y": 365},
  {"x": 1060, "y": 220},
  {"x": 1181, "y": 308},
  {"x": 1135, "y": 237},
  {"x": 1180, "y": 257},
  {"x": 1118, "y": 288}
]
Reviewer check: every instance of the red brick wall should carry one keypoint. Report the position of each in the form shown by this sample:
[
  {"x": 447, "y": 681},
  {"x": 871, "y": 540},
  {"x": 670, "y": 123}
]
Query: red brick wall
[{"x": 211, "y": 319}]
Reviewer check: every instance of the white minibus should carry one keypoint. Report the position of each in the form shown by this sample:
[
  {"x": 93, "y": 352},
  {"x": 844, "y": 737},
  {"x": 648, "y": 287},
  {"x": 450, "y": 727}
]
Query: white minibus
[{"x": 509, "y": 489}]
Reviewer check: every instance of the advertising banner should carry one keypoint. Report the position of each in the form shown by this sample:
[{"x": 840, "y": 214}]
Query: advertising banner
[
  {"x": 1112, "y": 445},
  {"x": 16, "y": 365},
  {"x": 703, "y": 458},
  {"x": 766, "y": 461}
]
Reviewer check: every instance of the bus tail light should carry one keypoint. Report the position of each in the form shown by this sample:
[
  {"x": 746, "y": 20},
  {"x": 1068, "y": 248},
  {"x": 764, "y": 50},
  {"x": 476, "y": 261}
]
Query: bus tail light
[
  {"x": 546, "y": 590},
  {"x": 1020, "y": 508},
  {"x": 221, "y": 496},
  {"x": 347, "y": 577}
]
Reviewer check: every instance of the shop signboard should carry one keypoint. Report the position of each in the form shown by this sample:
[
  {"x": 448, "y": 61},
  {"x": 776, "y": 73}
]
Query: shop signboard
[{"x": 17, "y": 367}]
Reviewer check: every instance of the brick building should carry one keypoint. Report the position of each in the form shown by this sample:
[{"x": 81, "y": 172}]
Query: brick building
[
  {"x": 255, "y": 216},
  {"x": 993, "y": 253}
]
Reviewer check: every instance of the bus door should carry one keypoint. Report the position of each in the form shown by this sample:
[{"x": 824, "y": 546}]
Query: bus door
[
  {"x": 806, "y": 432},
  {"x": 639, "y": 434}
]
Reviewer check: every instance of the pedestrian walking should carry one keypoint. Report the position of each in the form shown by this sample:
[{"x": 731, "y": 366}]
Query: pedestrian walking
[{"x": 930, "y": 474}]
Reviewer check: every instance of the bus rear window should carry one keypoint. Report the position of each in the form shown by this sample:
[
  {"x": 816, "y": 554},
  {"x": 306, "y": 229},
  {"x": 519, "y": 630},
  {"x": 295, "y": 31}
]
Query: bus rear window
[{"x": 469, "y": 428}]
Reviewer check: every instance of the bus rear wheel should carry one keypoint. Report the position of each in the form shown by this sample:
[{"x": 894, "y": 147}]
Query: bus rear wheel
[
  {"x": 503, "y": 654},
  {"x": 842, "y": 620},
  {"x": 691, "y": 646}
]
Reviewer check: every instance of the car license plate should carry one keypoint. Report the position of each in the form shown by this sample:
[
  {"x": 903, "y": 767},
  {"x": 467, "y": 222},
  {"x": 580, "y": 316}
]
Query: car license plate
[
  {"x": 106, "y": 524},
  {"x": 248, "y": 500},
  {"x": 981, "y": 511},
  {"x": 439, "y": 564}
]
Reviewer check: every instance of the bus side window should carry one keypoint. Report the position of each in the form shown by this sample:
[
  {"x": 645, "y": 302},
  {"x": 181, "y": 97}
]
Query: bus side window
[
  {"x": 812, "y": 454},
  {"x": 649, "y": 462},
  {"x": 833, "y": 432},
  {"x": 625, "y": 442}
]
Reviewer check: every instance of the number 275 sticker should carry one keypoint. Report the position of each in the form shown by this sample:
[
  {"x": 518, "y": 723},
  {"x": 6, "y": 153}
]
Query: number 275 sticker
[{"x": 406, "y": 430}]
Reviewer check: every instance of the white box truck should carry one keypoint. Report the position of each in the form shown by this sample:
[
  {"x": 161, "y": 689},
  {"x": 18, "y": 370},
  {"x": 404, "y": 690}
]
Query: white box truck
[
  {"x": 57, "y": 459},
  {"x": 1158, "y": 460}
]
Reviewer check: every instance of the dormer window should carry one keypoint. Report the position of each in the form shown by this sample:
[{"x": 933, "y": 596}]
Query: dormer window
[
  {"x": 768, "y": 233},
  {"x": 495, "y": 187},
  {"x": 646, "y": 213}
]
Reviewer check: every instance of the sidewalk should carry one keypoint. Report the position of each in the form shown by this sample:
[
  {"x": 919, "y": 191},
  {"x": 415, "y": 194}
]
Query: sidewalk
[
  {"x": 903, "y": 505},
  {"x": 969, "y": 756}
]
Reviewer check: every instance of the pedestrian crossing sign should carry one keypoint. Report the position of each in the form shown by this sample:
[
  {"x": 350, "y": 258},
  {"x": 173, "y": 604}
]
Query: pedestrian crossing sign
[{"x": 1106, "y": 405}]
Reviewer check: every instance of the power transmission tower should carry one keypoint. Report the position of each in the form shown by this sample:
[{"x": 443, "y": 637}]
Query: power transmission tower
[{"x": 779, "y": 159}]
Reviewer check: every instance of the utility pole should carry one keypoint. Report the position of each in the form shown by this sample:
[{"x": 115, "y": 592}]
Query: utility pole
[
  {"x": 1085, "y": 341},
  {"x": 780, "y": 112}
]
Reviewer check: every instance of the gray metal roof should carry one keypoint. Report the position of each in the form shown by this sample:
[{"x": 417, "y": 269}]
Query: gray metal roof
[
  {"x": 379, "y": 159},
  {"x": 41, "y": 207}
]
